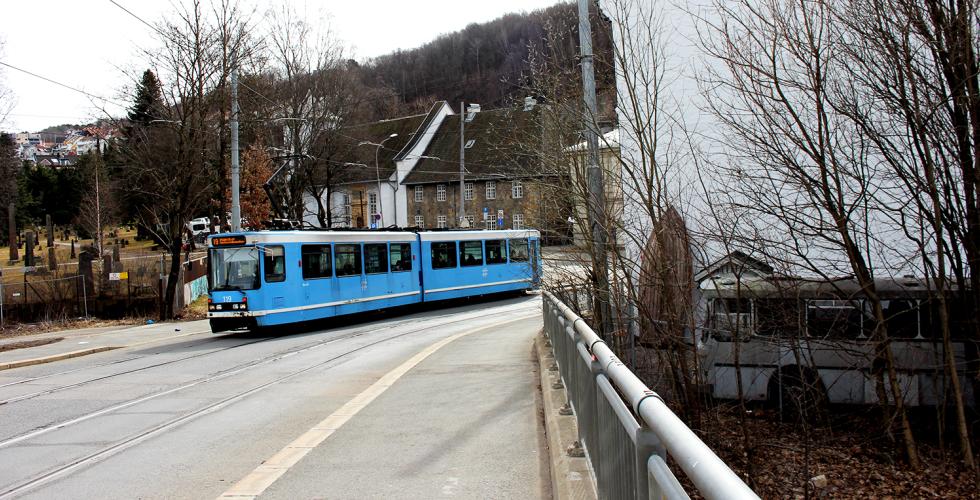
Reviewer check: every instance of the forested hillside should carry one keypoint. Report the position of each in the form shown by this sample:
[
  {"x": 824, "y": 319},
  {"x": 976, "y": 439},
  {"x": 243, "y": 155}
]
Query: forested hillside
[{"x": 489, "y": 63}]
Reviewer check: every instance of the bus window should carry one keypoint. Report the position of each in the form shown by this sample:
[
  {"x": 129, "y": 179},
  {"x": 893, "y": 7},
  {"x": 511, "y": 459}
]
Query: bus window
[
  {"x": 274, "y": 262},
  {"x": 316, "y": 262},
  {"x": 732, "y": 317},
  {"x": 518, "y": 250},
  {"x": 495, "y": 252},
  {"x": 827, "y": 318},
  {"x": 347, "y": 260},
  {"x": 401, "y": 257},
  {"x": 443, "y": 254},
  {"x": 376, "y": 258},
  {"x": 471, "y": 253}
]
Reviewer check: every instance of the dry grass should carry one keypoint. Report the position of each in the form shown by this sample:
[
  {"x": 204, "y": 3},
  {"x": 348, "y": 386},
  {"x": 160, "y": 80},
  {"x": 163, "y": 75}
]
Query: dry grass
[
  {"x": 10, "y": 346},
  {"x": 24, "y": 329},
  {"x": 197, "y": 309}
]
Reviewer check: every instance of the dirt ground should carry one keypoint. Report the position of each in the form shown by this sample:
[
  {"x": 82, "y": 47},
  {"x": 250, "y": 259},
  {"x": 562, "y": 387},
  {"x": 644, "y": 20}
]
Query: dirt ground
[{"x": 852, "y": 455}]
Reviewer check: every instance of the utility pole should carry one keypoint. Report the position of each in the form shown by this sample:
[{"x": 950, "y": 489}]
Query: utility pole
[
  {"x": 236, "y": 209},
  {"x": 596, "y": 198},
  {"x": 462, "y": 156}
]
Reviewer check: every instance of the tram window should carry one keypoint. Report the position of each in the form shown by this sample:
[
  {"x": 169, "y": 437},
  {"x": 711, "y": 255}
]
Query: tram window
[
  {"x": 495, "y": 252},
  {"x": 471, "y": 253},
  {"x": 518, "y": 250},
  {"x": 401, "y": 257},
  {"x": 316, "y": 262},
  {"x": 274, "y": 261},
  {"x": 347, "y": 260},
  {"x": 375, "y": 258},
  {"x": 443, "y": 254}
]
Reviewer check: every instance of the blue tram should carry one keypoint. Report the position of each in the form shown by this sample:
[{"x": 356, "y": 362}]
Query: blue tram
[{"x": 267, "y": 278}]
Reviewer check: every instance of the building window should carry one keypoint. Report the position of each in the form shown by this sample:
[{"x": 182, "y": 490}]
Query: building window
[
  {"x": 443, "y": 254},
  {"x": 346, "y": 216},
  {"x": 441, "y": 222},
  {"x": 470, "y": 221},
  {"x": 518, "y": 221},
  {"x": 491, "y": 190},
  {"x": 441, "y": 192},
  {"x": 419, "y": 190},
  {"x": 373, "y": 205},
  {"x": 419, "y": 222},
  {"x": 516, "y": 190},
  {"x": 468, "y": 191},
  {"x": 492, "y": 221}
]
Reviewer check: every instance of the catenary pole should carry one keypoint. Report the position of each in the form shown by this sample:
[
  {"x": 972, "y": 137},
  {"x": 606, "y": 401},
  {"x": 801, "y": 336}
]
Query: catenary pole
[
  {"x": 596, "y": 198},
  {"x": 236, "y": 209},
  {"x": 462, "y": 186}
]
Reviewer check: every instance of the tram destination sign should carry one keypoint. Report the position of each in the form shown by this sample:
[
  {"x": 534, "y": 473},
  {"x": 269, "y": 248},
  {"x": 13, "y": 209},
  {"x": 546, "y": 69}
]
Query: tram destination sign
[{"x": 226, "y": 241}]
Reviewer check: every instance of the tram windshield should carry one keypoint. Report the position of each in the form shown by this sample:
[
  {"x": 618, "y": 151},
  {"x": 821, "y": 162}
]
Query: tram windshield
[{"x": 234, "y": 268}]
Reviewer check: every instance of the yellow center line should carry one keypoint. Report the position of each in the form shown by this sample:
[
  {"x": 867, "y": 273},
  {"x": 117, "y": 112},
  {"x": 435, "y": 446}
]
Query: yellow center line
[{"x": 263, "y": 476}]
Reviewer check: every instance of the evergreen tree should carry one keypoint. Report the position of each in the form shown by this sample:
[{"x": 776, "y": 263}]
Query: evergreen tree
[
  {"x": 148, "y": 102},
  {"x": 9, "y": 170}
]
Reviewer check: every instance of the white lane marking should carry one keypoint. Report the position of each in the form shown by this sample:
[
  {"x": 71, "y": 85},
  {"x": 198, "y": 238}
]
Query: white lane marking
[
  {"x": 263, "y": 476},
  {"x": 449, "y": 489}
]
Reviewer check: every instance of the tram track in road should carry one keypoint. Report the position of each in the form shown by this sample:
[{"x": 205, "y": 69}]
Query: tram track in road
[
  {"x": 45, "y": 392},
  {"x": 139, "y": 437},
  {"x": 53, "y": 390},
  {"x": 244, "y": 367}
]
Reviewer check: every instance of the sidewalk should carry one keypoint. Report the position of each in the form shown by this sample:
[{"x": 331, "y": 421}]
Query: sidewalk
[{"x": 86, "y": 341}]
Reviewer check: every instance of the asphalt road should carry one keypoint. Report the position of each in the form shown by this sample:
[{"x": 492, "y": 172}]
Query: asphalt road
[{"x": 436, "y": 403}]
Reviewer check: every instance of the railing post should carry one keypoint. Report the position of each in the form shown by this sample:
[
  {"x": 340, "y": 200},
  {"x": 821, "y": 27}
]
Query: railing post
[{"x": 647, "y": 445}]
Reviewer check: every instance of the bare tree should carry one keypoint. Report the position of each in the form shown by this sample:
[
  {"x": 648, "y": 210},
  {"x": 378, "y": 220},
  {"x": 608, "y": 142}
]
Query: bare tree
[
  {"x": 317, "y": 94},
  {"x": 6, "y": 94},
  {"x": 801, "y": 169},
  {"x": 174, "y": 162},
  {"x": 912, "y": 90},
  {"x": 98, "y": 208}
]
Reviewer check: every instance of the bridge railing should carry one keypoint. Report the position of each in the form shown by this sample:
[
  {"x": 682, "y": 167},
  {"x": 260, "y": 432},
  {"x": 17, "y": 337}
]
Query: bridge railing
[{"x": 626, "y": 429}]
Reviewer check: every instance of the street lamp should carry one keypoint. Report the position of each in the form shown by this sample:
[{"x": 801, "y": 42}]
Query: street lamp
[{"x": 377, "y": 172}]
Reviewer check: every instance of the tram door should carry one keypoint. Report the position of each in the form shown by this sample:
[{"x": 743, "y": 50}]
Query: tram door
[{"x": 349, "y": 272}]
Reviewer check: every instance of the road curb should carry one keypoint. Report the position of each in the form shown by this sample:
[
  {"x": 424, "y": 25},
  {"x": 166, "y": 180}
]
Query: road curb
[
  {"x": 571, "y": 477},
  {"x": 56, "y": 357}
]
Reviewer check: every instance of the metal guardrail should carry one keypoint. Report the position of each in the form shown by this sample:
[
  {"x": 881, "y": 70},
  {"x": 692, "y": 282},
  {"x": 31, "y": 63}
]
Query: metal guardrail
[{"x": 629, "y": 456}]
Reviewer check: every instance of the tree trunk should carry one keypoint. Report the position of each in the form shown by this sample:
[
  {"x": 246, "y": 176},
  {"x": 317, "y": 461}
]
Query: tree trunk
[{"x": 172, "y": 280}]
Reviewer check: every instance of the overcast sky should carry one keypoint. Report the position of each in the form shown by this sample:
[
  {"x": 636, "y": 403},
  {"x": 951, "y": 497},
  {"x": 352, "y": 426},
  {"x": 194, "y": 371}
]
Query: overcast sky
[{"x": 89, "y": 45}]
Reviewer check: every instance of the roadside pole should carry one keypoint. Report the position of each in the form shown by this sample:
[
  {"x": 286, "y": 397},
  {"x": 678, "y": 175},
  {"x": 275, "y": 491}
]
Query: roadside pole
[
  {"x": 236, "y": 209},
  {"x": 1, "y": 299},
  {"x": 596, "y": 195}
]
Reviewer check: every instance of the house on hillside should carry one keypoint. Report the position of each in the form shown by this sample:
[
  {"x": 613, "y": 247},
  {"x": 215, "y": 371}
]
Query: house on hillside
[
  {"x": 370, "y": 160},
  {"x": 506, "y": 183},
  {"x": 612, "y": 180}
]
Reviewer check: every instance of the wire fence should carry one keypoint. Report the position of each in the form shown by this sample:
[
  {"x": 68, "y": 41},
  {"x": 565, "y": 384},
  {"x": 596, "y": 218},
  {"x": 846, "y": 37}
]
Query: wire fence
[{"x": 130, "y": 286}]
